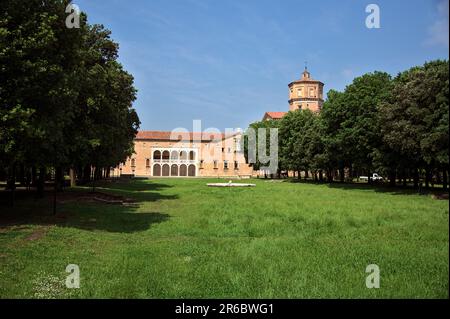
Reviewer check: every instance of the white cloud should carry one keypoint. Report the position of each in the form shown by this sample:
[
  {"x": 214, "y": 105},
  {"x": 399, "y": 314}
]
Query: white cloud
[{"x": 438, "y": 31}]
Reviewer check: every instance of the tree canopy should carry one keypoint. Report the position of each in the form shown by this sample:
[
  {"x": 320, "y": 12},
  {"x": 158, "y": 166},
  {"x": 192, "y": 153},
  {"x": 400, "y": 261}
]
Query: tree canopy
[
  {"x": 398, "y": 127},
  {"x": 65, "y": 100}
]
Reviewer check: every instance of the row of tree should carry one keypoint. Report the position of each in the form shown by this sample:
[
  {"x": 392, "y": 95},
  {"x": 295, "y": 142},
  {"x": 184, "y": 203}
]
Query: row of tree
[
  {"x": 65, "y": 100},
  {"x": 397, "y": 127}
]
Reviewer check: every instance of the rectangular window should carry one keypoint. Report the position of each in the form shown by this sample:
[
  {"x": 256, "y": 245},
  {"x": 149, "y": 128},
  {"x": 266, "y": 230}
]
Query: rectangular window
[
  {"x": 147, "y": 162},
  {"x": 311, "y": 92},
  {"x": 299, "y": 93},
  {"x": 225, "y": 164},
  {"x": 133, "y": 162},
  {"x": 215, "y": 165},
  {"x": 237, "y": 145},
  {"x": 201, "y": 164},
  {"x": 236, "y": 165}
]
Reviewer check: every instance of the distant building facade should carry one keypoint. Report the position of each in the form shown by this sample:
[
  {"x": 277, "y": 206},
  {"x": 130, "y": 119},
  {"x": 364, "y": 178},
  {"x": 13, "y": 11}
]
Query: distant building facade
[{"x": 169, "y": 154}]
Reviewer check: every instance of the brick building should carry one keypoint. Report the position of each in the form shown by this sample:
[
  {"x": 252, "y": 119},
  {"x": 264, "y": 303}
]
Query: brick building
[{"x": 175, "y": 154}]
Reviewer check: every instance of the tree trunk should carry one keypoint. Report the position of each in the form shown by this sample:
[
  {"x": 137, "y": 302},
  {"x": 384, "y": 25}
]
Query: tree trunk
[
  {"x": 416, "y": 178},
  {"x": 330, "y": 176},
  {"x": 321, "y": 176},
  {"x": 11, "y": 183},
  {"x": 392, "y": 177},
  {"x": 306, "y": 174},
  {"x": 404, "y": 177},
  {"x": 28, "y": 178},
  {"x": 444, "y": 179},
  {"x": 93, "y": 179},
  {"x": 427, "y": 178},
  {"x": 438, "y": 177},
  {"x": 59, "y": 176},
  {"x": 87, "y": 174},
  {"x": 72, "y": 175},
  {"x": 341, "y": 175},
  {"x": 41, "y": 182},
  {"x": 55, "y": 190},
  {"x": 369, "y": 176},
  {"x": 21, "y": 178},
  {"x": 33, "y": 176}
]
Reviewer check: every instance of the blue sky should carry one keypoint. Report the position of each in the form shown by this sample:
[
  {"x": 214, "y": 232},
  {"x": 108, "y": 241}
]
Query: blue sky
[{"x": 227, "y": 62}]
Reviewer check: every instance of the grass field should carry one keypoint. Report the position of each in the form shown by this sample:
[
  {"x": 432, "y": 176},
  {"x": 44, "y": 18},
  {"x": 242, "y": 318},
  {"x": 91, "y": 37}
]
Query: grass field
[{"x": 184, "y": 240}]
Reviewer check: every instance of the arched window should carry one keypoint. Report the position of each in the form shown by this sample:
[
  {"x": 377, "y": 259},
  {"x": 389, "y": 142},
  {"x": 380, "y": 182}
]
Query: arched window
[
  {"x": 183, "y": 170},
  {"x": 191, "y": 170},
  {"x": 166, "y": 155},
  {"x": 191, "y": 155},
  {"x": 174, "y": 170},
  {"x": 157, "y": 155},
  {"x": 166, "y": 170},
  {"x": 174, "y": 156},
  {"x": 156, "y": 170},
  {"x": 183, "y": 155}
]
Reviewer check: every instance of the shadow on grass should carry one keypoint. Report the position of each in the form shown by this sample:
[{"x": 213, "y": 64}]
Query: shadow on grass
[
  {"x": 87, "y": 214},
  {"x": 380, "y": 188},
  {"x": 130, "y": 185},
  {"x": 137, "y": 189},
  {"x": 122, "y": 221}
]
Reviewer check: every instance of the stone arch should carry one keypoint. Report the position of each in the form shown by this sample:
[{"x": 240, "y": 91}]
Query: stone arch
[
  {"x": 166, "y": 170},
  {"x": 166, "y": 155},
  {"x": 156, "y": 170},
  {"x": 183, "y": 155},
  {"x": 183, "y": 170},
  {"x": 157, "y": 155},
  {"x": 174, "y": 155},
  {"x": 174, "y": 170},
  {"x": 191, "y": 170}
]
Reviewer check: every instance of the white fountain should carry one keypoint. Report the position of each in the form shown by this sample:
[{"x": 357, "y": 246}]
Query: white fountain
[{"x": 230, "y": 184}]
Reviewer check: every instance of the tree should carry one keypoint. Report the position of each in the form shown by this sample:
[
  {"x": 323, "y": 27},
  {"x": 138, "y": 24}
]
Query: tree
[
  {"x": 415, "y": 119},
  {"x": 255, "y": 128},
  {"x": 65, "y": 100},
  {"x": 335, "y": 147},
  {"x": 295, "y": 140}
]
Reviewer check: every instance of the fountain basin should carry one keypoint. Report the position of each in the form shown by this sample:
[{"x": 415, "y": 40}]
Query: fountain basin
[{"x": 230, "y": 185}]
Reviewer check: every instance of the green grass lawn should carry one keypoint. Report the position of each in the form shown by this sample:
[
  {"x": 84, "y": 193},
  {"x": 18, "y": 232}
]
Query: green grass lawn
[{"x": 185, "y": 240}]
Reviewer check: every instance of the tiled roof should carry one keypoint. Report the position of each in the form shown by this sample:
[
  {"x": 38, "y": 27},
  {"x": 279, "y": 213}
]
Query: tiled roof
[
  {"x": 274, "y": 115},
  {"x": 180, "y": 136}
]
